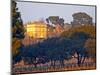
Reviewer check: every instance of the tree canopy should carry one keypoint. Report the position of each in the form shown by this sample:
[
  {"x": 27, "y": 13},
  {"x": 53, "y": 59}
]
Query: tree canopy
[
  {"x": 81, "y": 18},
  {"x": 88, "y": 29},
  {"x": 55, "y": 20}
]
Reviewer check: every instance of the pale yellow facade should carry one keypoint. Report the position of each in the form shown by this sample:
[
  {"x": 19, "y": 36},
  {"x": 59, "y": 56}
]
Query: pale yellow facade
[{"x": 37, "y": 30}]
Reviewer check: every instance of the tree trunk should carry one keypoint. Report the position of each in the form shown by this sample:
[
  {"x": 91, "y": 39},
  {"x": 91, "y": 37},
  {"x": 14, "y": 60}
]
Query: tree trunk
[
  {"x": 54, "y": 64},
  {"x": 51, "y": 63},
  {"x": 35, "y": 64},
  {"x": 62, "y": 63},
  {"x": 83, "y": 60},
  {"x": 79, "y": 59}
]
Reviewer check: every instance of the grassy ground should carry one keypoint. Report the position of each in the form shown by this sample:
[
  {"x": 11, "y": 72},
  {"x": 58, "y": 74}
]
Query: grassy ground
[{"x": 31, "y": 69}]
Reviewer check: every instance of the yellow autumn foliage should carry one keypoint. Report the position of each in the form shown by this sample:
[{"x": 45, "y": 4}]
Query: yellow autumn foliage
[{"x": 15, "y": 45}]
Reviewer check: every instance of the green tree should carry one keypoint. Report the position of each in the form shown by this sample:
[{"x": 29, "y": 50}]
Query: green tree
[
  {"x": 88, "y": 29},
  {"x": 82, "y": 45},
  {"x": 17, "y": 30},
  {"x": 78, "y": 39},
  {"x": 81, "y": 18},
  {"x": 55, "y": 20},
  {"x": 90, "y": 46}
]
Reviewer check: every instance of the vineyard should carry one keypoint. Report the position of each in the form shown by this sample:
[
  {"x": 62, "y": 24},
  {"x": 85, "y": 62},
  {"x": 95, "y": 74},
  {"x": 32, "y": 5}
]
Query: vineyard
[{"x": 67, "y": 67}]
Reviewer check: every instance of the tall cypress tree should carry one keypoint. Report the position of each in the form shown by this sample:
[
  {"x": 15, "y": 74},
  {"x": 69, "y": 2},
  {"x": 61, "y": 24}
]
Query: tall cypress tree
[{"x": 17, "y": 30}]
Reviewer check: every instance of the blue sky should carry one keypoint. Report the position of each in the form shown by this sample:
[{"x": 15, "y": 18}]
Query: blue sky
[{"x": 35, "y": 11}]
